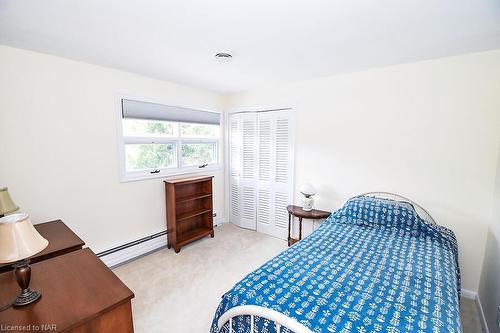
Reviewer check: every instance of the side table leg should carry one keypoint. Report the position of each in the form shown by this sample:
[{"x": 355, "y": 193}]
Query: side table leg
[
  {"x": 300, "y": 228},
  {"x": 289, "y": 227}
]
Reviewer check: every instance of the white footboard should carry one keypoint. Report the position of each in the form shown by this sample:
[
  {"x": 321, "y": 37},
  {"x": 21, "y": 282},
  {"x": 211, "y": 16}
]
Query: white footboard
[{"x": 280, "y": 320}]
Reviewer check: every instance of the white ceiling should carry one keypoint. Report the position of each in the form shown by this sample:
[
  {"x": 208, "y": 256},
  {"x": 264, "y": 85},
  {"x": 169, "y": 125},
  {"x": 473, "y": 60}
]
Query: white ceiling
[{"x": 271, "y": 40}]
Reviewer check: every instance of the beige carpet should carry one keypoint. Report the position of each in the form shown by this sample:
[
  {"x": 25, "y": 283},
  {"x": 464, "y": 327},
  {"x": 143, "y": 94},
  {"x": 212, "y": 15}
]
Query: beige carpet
[{"x": 180, "y": 292}]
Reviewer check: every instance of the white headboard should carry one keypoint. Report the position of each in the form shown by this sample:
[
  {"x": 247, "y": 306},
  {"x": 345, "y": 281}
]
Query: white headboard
[{"x": 421, "y": 211}]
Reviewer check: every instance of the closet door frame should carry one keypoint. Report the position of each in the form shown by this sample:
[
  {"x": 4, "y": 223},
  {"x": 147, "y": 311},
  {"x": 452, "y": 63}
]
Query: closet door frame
[{"x": 227, "y": 148}]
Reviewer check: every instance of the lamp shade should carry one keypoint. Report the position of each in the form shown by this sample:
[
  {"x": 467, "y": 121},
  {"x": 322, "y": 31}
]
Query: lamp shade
[
  {"x": 18, "y": 238},
  {"x": 308, "y": 189},
  {"x": 6, "y": 204}
]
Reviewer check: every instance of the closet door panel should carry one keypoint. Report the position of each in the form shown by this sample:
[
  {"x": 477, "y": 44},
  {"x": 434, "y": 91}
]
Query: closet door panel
[
  {"x": 282, "y": 186},
  {"x": 249, "y": 146},
  {"x": 283, "y": 172},
  {"x": 235, "y": 146},
  {"x": 274, "y": 172},
  {"x": 264, "y": 211},
  {"x": 265, "y": 149},
  {"x": 282, "y": 150},
  {"x": 281, "y": 200},
  {"x": 265, "y": 208},
  {"x": 249, "y": 207},
  {"x": 234, "y": 169},
  {"x": 234, "y": 202},
  {"x": 248, "y": 178}
]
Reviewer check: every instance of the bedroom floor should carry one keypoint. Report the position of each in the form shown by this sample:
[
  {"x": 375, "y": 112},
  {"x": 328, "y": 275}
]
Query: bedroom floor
[{"x": 181, "y": 291}]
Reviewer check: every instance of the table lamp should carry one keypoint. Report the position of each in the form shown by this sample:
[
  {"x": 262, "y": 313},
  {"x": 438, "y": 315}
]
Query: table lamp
[
  {"x": 308, "y": 191},
  {"x": 7, "y": 206},
  {"x": 19, "y": 240}
]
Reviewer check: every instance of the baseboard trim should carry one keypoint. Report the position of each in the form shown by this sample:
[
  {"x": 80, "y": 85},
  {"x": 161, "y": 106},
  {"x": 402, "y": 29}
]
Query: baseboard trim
[
  {"x": 481, "y": 314},
  {"x": 139, "y": 248},
  {"x": 219, "y": 220},
  {"x": 475, "y": 296},
  {"x": 128, "y": 254},
  {"x": 469, "y": 294}
]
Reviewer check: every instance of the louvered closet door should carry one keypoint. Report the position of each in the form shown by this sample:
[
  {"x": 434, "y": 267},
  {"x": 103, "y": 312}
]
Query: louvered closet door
[
  {"x": 234, "y": 169},
  {"x": 243, "y": 168},
  {"x": 248, "y": 179},
  {"x": 275, "y": 168},
  {"x": 265, "y": 220}
]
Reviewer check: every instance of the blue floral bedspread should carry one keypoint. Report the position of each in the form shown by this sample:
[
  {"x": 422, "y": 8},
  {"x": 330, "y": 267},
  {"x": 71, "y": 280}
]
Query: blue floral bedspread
[{"x": 373, "y": 266}]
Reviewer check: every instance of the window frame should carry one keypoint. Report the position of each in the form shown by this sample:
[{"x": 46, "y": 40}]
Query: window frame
[{"x": 177, "y": 141}]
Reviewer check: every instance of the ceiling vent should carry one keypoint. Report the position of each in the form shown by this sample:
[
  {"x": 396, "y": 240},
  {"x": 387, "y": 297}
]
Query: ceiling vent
[{"x": 223, "y": 57}]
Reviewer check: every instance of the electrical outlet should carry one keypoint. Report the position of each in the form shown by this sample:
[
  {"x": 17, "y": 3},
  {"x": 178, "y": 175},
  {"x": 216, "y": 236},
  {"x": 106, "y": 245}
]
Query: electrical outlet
[
  {"x": 214, "y": 214},
  {"x": 498, "y": 316}
]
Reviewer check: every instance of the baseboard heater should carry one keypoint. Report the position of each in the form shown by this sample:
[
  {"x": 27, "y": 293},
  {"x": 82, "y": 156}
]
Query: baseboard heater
[{"x": 124, "y": 253}]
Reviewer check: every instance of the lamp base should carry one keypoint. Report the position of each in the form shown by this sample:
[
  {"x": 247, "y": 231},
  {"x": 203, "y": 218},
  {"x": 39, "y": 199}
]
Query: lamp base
[
  {"x": 22, "y": 271},
  {"x": 27, "y": 296},
  {"x": 308, "y": 203}
]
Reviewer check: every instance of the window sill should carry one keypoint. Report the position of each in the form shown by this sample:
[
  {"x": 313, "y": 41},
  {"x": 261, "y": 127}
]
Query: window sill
[{"x": 165, "y": 173}]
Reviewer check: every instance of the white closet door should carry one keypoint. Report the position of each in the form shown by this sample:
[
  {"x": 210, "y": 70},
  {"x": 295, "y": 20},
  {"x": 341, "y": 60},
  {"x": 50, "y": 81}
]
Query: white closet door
[
  {"x": 275, "y": 172},
  {"x": 265, "y": 220},
  {"x": 248, "y": 179},
  {"x": 243, "y": 170},
  {"x": 234, "y": 169}
]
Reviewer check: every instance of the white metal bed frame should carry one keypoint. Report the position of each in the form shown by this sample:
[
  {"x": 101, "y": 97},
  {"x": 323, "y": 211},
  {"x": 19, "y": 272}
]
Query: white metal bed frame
[{"x": 283, "y": 321}]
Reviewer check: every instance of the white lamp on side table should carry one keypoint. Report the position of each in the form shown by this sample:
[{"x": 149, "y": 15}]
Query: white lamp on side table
[{"x": 308, "y": 191}]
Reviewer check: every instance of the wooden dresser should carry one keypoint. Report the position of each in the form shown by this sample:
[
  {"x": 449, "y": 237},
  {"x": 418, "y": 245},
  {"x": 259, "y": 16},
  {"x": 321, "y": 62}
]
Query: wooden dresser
[
  {"x": 189, "y": 210},
  {"x": 79, "y": 294}
]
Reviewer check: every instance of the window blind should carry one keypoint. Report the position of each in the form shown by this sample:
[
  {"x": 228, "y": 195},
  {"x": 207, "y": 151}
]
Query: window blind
[{"x": 153, "y": 111}]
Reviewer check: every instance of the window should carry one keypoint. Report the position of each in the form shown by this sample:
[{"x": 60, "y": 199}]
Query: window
[
  {"x": 198, "y": 153},
  {"x": 159, "y": 140},
  {"x": 140, "y": 127},
  {"x": 149, "y": 156}
]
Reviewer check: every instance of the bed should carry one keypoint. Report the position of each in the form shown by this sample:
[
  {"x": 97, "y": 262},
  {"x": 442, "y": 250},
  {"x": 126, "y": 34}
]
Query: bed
[{"x": 378, "y": 264}]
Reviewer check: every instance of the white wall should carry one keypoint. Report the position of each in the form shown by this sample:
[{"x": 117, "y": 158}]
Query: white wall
[
  {"x": 58, "y": 148},
  {"x": 427, "y": 130},
  {"x": 489, "y": 287}
]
